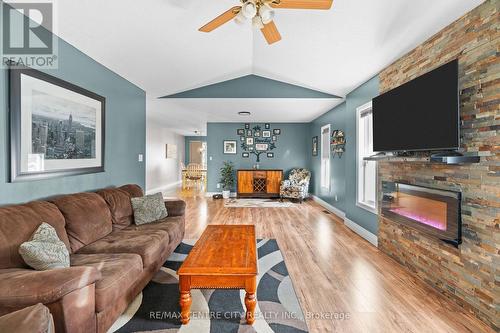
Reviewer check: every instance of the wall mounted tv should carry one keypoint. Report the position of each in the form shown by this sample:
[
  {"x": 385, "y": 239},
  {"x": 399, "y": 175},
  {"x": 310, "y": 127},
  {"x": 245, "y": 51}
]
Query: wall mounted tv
[{"x": 422, "y": 114}]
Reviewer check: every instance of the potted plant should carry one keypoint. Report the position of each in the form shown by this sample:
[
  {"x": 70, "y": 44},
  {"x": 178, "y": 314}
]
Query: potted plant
[{"x": 227, "y": 179}]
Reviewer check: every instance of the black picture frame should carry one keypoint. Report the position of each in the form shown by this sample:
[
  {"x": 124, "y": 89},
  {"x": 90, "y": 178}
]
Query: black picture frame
[
  {"x": 256, "y": 134},
  {"x": 15, "y": 72},
  {"x": 240, "y": 131},
  {"x": 315, "y": 146},
  {"x": 225, "y": 146},
  {"x": 270, "y": 155},
  {"x": 275, "y": 138},
  {"x": 276, "y": 131},
  {"x": 267, "y": 126},
  {"x": 242, "y": 138},
  {"x": 247, "y": 126},
  {"x": 249, "y": 133}
]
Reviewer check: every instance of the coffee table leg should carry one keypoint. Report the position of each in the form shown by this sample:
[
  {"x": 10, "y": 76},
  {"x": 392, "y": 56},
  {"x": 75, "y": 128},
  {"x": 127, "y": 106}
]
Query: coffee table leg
[
  {"x": 185, "y": 298},
  {"x": 250, "y": 299}
]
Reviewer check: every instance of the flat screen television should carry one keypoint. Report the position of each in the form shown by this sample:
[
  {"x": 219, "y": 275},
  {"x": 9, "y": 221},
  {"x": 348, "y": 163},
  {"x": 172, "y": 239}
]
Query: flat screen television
[{"x": 422, "y": 114}]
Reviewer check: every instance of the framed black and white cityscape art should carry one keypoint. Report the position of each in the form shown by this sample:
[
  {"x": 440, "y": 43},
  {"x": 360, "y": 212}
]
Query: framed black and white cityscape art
[
  {"x": 266, "y": 134},
  {"x": 230, "y": 147},
  {"x": 56, "y": 128}
]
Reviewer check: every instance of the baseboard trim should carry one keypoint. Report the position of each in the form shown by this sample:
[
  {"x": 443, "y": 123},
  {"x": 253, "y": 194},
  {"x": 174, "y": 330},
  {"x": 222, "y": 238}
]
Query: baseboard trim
[
  {"x": 164, "y": 188},
  {"x": 367, "y": 235},
  {"x": 371, "y": 238},
  {"x": 329, "y": 207}
]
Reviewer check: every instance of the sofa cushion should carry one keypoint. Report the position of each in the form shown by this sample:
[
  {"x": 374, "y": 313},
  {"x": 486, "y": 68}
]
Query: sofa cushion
[
  {"x": 174, "y": 226},
  {"x": 119, "y": 272},
  {"x": 36, "y": 318},
  {"x": 45, "y": 250},
  {"x": 26, "y": 286},
  {"x": 175, "y": 207},
  {"x": 149, "y": 208},
  {"x": 148, "y": 244},
  {"x": 119, "y": 204},
  {"x": 132, "y": 189},
  {"x": 17, "y": 224},
  {"x": 87, "y": 218}
]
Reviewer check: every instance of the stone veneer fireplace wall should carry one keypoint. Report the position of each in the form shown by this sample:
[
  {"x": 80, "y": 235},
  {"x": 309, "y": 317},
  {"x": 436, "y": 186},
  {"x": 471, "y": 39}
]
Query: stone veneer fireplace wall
[{"x": 466, "y": 273}]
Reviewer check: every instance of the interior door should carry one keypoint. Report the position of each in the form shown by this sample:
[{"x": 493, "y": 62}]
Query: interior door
[
  {"x": 274, "y": 181},
  {"x": 195, "y": 152},
  {"x": 245, "y": 182}
]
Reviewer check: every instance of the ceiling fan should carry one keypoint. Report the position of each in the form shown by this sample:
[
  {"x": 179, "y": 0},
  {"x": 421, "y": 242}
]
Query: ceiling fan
[{"x": 261, "y": 12}]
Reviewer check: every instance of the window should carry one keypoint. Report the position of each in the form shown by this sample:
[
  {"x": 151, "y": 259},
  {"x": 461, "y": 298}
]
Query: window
[
  {"x": 366, "y": 170},
  {"x": 325, "y": 158}
]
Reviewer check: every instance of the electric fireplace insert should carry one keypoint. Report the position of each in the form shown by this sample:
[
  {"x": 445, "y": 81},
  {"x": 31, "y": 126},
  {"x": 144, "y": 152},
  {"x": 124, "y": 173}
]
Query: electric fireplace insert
[{"x": 432, "y": 211}]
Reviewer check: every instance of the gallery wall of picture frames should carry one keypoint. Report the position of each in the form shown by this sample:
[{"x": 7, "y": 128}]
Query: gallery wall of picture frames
[{"x": 257, "y": 140}]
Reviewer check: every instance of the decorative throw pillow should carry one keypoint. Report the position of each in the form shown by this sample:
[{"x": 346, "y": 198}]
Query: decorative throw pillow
[
  {"x": 149, "y": 208},
  {"x": 45, "y": 250}
]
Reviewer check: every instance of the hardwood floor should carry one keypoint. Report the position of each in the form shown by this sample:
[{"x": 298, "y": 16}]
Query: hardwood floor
[{"x": 337, "y": 273}]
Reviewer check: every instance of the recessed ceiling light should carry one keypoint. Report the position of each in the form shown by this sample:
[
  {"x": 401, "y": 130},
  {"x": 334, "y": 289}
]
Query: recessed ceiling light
[{"x": 244, "y": 113}]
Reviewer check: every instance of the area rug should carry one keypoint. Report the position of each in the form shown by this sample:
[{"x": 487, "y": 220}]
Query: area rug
[
  {"x": 156, "y": 309},
  {"x": 256, "y": 203}
]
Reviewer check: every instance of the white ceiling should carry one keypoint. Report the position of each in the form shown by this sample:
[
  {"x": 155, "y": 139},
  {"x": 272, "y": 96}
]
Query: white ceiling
[{"x": 156, "y": 45}]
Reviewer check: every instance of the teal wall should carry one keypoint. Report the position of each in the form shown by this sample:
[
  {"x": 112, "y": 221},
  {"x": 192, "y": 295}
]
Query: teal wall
[
  {"x": 291, "y": 151},
  {"x": 337, "y": 120},
  {"x": 125, "y": 131},
  {"x": 343, "y": 171},
  {"x": 187, "y": 140}
]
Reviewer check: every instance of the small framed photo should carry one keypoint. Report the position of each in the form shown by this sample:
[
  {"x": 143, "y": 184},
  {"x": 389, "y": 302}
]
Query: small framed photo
[
  {"x": 270, "y": 155},
  {"x": 257, "y": 134},
  {"x": 276, "y": 131},
  {"x": 249, "y": 133},
  {"x": 261, "y": 146},
  {"x": 275, "y": 138},
  {"x": 266, "y": 134},
  {"x": 230, "y": 147},
  {"x": 171, "y": 151},
  {"x": 315, "y": 146},
  {"x": 242, "y": 138},
  {"x": 249, "y": 141},
  {"x": 247, "y": 126},
  {"x": 240, "y": 131},
  {"x": 245, "y": 155},
  {"x": 267, "y": 126}
]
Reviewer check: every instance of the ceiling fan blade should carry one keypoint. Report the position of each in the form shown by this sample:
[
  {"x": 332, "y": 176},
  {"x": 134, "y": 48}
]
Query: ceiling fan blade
[
  {"x": 302, "y": 4},
  {"x": 271, "y": 33},
  {"x": 221, "y": 19}
]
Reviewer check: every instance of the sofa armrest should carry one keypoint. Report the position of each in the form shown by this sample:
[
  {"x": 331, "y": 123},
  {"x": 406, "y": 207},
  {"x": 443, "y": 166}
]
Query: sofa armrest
[
  {"x": 36, "y": 318},
  {"x": 175, "y": 207},
  {"x": 23, "y": 287}
]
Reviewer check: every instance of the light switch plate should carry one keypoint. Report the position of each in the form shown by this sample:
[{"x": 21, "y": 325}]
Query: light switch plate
[{"x": 140, "y": 158}]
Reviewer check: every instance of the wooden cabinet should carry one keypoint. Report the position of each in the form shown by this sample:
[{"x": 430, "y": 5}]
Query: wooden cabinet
[{"x": 259, "y": 183}]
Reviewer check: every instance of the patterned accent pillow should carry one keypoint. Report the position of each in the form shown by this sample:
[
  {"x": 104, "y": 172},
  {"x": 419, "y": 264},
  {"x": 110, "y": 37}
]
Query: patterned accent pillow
[
  {"x": 149, "y": 208},
  {"x": 45, "y": 250}
]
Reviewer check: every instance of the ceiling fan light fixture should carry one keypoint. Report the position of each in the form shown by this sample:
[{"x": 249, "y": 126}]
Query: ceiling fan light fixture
[
  {"x": 249, "y": 9},
  {"x": 266, "y": 13},
  {"x": 240, "y": 18},
  {"x": 257, "y": 22}
]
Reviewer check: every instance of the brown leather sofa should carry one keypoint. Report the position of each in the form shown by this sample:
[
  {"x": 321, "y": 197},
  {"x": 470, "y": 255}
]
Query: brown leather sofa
[
  {"x": 112, "y": 259},
  {"x": 33, "y": 319}
]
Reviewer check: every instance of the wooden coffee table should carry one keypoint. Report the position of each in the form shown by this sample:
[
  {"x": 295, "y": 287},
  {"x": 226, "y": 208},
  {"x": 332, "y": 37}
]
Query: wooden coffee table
[{"x": 224, "y": 257}]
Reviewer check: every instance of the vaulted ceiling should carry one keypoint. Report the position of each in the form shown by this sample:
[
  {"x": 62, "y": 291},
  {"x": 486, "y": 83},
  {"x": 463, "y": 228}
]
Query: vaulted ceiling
[{"x": 156, "y": 45}]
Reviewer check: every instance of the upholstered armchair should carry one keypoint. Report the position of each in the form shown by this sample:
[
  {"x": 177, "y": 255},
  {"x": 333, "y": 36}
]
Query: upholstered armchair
[{"x": 296, "y": 186}]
